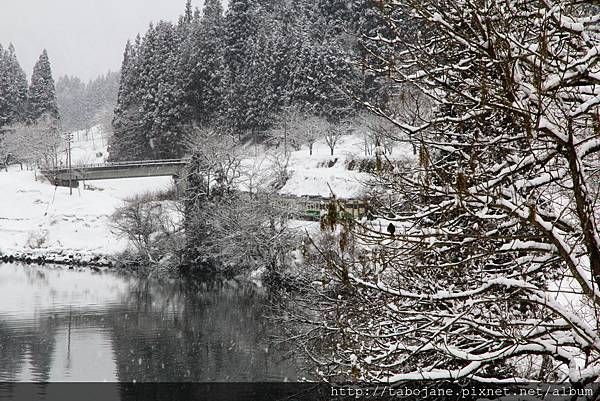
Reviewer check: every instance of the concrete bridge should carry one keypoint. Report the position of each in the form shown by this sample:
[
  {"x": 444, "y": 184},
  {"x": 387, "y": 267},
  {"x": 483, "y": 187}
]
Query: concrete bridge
[{"x": 64, "y": 176}]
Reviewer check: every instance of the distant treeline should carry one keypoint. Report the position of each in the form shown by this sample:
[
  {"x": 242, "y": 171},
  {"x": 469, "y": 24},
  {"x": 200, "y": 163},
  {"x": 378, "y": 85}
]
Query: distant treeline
[{"x": 33, "y": 116}]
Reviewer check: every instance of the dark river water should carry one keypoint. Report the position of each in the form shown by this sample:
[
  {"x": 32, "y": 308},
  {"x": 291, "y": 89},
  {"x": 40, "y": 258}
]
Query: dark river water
[{"x": 65, "y": 325}]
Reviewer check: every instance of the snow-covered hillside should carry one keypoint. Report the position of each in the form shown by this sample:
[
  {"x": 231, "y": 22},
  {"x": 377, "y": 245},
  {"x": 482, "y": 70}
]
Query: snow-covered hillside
[
  {"x": 322, "y": 174},
  {"x": 88, "y": 146},
  {"x": 36, "y": 215}
]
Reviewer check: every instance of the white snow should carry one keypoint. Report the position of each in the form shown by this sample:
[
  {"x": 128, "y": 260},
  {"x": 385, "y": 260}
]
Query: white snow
[
  {"x": 34, "y": 215},
  {"x": 88, "y": 147},
  {"x": 78, "y": 222},
  {"x": 322, "y": 174}
]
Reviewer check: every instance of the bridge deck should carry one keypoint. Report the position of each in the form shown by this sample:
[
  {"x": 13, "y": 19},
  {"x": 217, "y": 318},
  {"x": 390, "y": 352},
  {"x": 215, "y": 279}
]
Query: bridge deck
[{"x": 144, "y": 168}]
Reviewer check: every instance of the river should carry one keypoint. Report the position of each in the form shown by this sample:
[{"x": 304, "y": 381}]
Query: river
[{"x": 69, "y": 325}]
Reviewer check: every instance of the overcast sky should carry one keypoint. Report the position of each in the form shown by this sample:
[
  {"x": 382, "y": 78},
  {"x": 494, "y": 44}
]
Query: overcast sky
[{"x": 84, "y": 38}]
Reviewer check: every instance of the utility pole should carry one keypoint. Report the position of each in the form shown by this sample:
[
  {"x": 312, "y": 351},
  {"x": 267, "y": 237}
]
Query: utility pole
[
  {"x": 287, "y": 111},
  {"x": 285, "y": 151},
  {"x": 69, "y": 138}
]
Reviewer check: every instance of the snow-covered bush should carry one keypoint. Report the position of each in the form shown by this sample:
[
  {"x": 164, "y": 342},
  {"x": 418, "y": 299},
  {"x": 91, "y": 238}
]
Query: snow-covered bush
[
  {"x": 153, "y": 227},
  {"x": 239, "y": 234},
  {"x": 37, "y": 239}
]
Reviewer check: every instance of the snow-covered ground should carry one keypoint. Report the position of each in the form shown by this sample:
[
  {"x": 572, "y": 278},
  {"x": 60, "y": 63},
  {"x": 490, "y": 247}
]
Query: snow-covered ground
[
  {"x": 322, "y": 174},
  {"x": 310, "y": 175},
  {"x": 88, "y": 147},
  {"x": 35, "y": 216}
]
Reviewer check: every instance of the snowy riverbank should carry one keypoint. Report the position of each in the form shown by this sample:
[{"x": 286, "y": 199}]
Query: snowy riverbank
[{"x": 37, "y": 218}]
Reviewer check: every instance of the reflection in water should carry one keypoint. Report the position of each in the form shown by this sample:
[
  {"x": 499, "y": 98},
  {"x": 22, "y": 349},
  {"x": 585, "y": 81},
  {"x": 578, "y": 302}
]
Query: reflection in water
[{"x": 61, "y": 325}]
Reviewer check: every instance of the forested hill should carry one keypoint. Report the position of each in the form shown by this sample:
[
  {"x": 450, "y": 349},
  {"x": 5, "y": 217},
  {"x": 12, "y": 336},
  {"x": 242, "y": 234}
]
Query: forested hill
[
  {"x": 82, "y": 105},
  {"x": 238, "y": 70}
]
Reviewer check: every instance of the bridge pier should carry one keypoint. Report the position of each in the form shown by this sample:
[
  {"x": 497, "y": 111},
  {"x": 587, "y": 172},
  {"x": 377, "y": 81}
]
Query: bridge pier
[{"x": 65, "y": 183}]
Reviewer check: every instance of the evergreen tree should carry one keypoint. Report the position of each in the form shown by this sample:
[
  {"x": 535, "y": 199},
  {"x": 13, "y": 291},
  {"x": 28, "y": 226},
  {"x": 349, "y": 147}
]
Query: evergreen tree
[
  {"x": 101, "y": 97},
  {"x": 13, "y": 88},
  {"x": 162, "y": 104},
  {"x": 202, "y": 64},
  {"x": 83, "y": 106},
  {"x": 189, "y": 13},
  {"x": 340, "y": 15},
  {"x": 241, "y": 25},
  {"x": 320, "y": 69},
  {"x": 5, "y": 115},
  {"x": 238, "y": 71},
  {"x": 42, "y": 93},
  {"x": 128, "y": 141}
]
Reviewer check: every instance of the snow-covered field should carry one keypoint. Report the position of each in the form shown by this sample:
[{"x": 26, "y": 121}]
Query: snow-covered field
[
  {"x": 36, "y": 216},
  {"x": 310, "y": 175}
]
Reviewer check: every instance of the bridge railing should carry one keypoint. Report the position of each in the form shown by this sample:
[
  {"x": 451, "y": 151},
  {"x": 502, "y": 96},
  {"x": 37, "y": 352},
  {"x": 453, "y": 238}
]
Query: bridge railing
[{"x": 118, "y": 164}]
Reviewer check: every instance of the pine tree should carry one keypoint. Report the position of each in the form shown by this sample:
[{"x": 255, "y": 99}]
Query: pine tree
[
  {"x": 42, "y": 93},
  {"x": 19, "y": 80},
  {"x": 189, "y": 13},
  {"x": 162, "y": 104},
  {"x": 128, "y": 141},
  {"x": 72, "y": 102},
  {"x": 241, "y": 26},
  {"x": 238, "y": 70},
  {"x": 341, "y": 15},
  {"x": 13, "y": 88},
  {"x": 240, "y": 36},
  {"x": 202, "y": 65},
  {"x": 84, "y": 105}
]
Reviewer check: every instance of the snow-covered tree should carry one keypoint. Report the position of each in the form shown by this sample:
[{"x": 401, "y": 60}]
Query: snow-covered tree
[
  {"x": 376, "y": 132},
  {"x": 203, "y": 65},
  {"x": 487, "y": 258},
  {"x": 241, "y": 26},
  {"x": 215, "y": 165},
  {"x": 129, "y": 141},
  {"x": 295, "y": 128},
  {"x": 42, "y": 93},
  {"x": 228, "y": 230},
  {"x": 237, "y": 71},
  {"x": 37, "y": 144},
  {"x": 334, "y": 133},
  {"x": 13, "y": 88},
  {"x": 101, "y": 97},
  {"x": 150, "y": 109},
  {"x": 70, "y": 94},
  {"x": 161, "y": 90}
]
